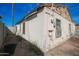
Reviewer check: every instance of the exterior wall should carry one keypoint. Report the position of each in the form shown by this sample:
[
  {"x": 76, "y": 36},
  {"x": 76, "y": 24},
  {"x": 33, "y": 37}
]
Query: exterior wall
[
  {"x": 41, "y": 32},
  {"x": 51, "y": 43},
  {"x": 36, "y": 26},
  {"x": 73, "y": 28},
  {"x": 18, "y": 29},
  {"x": 2, "y": 33},
  {"x": 58, "y": 8},
  {"x": 34, "y": 30}
]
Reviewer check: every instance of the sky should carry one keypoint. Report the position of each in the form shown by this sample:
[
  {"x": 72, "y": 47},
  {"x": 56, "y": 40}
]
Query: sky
[
  {"x": 22, "y": 9},
  {"x": 73, "y": 9}
]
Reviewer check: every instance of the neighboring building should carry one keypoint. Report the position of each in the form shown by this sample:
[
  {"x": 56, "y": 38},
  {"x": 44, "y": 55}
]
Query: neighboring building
[
  {"x": 77, "y": 27},
  {"x": 12, "y": 29},
  {"x": 2, "y": 33},
  {"x": 47, "y": 26}
]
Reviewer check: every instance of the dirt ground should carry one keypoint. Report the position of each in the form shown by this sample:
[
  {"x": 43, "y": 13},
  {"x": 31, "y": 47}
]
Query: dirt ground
[{"x": 68, "y": 48}]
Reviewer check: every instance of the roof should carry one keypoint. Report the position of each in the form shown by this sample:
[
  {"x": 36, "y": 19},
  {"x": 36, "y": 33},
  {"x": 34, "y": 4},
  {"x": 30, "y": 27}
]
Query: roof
[
  {"x": 30, "y": 14},
  {"x": 36, "y": 10}
]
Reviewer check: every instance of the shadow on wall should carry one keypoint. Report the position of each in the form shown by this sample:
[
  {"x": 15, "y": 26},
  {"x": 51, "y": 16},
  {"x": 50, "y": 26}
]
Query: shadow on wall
[
  {"x": 17, "y": 46},
  {"x": 25, "y": 48}
]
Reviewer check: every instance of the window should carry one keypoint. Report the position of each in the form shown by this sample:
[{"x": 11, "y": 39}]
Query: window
[
  {"x": 58, "y": 28},
  {"x": 23, "y": 28},
  {"x": 70, "y": 29},
  {"x": 51, "y": 21},
  {"x": 20, "y": 27}
]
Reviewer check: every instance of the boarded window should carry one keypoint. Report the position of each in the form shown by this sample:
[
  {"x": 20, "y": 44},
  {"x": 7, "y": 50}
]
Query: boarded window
[
  {"x": 58, "y": 28},
  {"x": 23, "y": 28}
]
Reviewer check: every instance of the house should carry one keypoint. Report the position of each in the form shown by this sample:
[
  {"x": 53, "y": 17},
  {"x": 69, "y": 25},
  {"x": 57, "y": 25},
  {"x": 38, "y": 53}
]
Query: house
[{"x": 47, "y": 26}]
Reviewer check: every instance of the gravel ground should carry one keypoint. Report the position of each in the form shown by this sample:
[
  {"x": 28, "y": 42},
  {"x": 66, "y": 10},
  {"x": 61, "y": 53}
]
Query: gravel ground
[{"x": 68, "y": 48}]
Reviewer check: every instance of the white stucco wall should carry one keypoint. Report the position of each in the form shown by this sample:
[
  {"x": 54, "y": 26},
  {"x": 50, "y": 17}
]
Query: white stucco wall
[
  {"x": 64, "y": 27},
  {"x": 36, "y": 30},
  {"x": 33, "y": 30},
  {"x": 73, "y": 28}
]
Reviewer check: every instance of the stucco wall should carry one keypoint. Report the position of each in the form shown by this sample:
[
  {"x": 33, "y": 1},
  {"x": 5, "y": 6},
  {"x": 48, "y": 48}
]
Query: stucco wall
[
  {"x": 36, "y": 30},
  {"x": 64, "y": 28},
  {"x": 33, "y": 30}
]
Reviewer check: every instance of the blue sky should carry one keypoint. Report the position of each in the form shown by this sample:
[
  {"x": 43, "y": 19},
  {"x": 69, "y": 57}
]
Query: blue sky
[
  {"x": 74, "y": 12},
  {"x": 22, "y": 9}
]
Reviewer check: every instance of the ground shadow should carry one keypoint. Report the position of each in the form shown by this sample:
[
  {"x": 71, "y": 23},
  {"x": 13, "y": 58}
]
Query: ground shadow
[
  {"x": 18, "y": 46},
  {"x": 26, "y": 48},
  {"x": 9, "y": 49}
]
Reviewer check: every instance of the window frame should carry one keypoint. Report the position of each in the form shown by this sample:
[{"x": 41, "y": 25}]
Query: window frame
[
  {"x": 58, "y": 28},
  {"x": 23, "y": 31}
]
